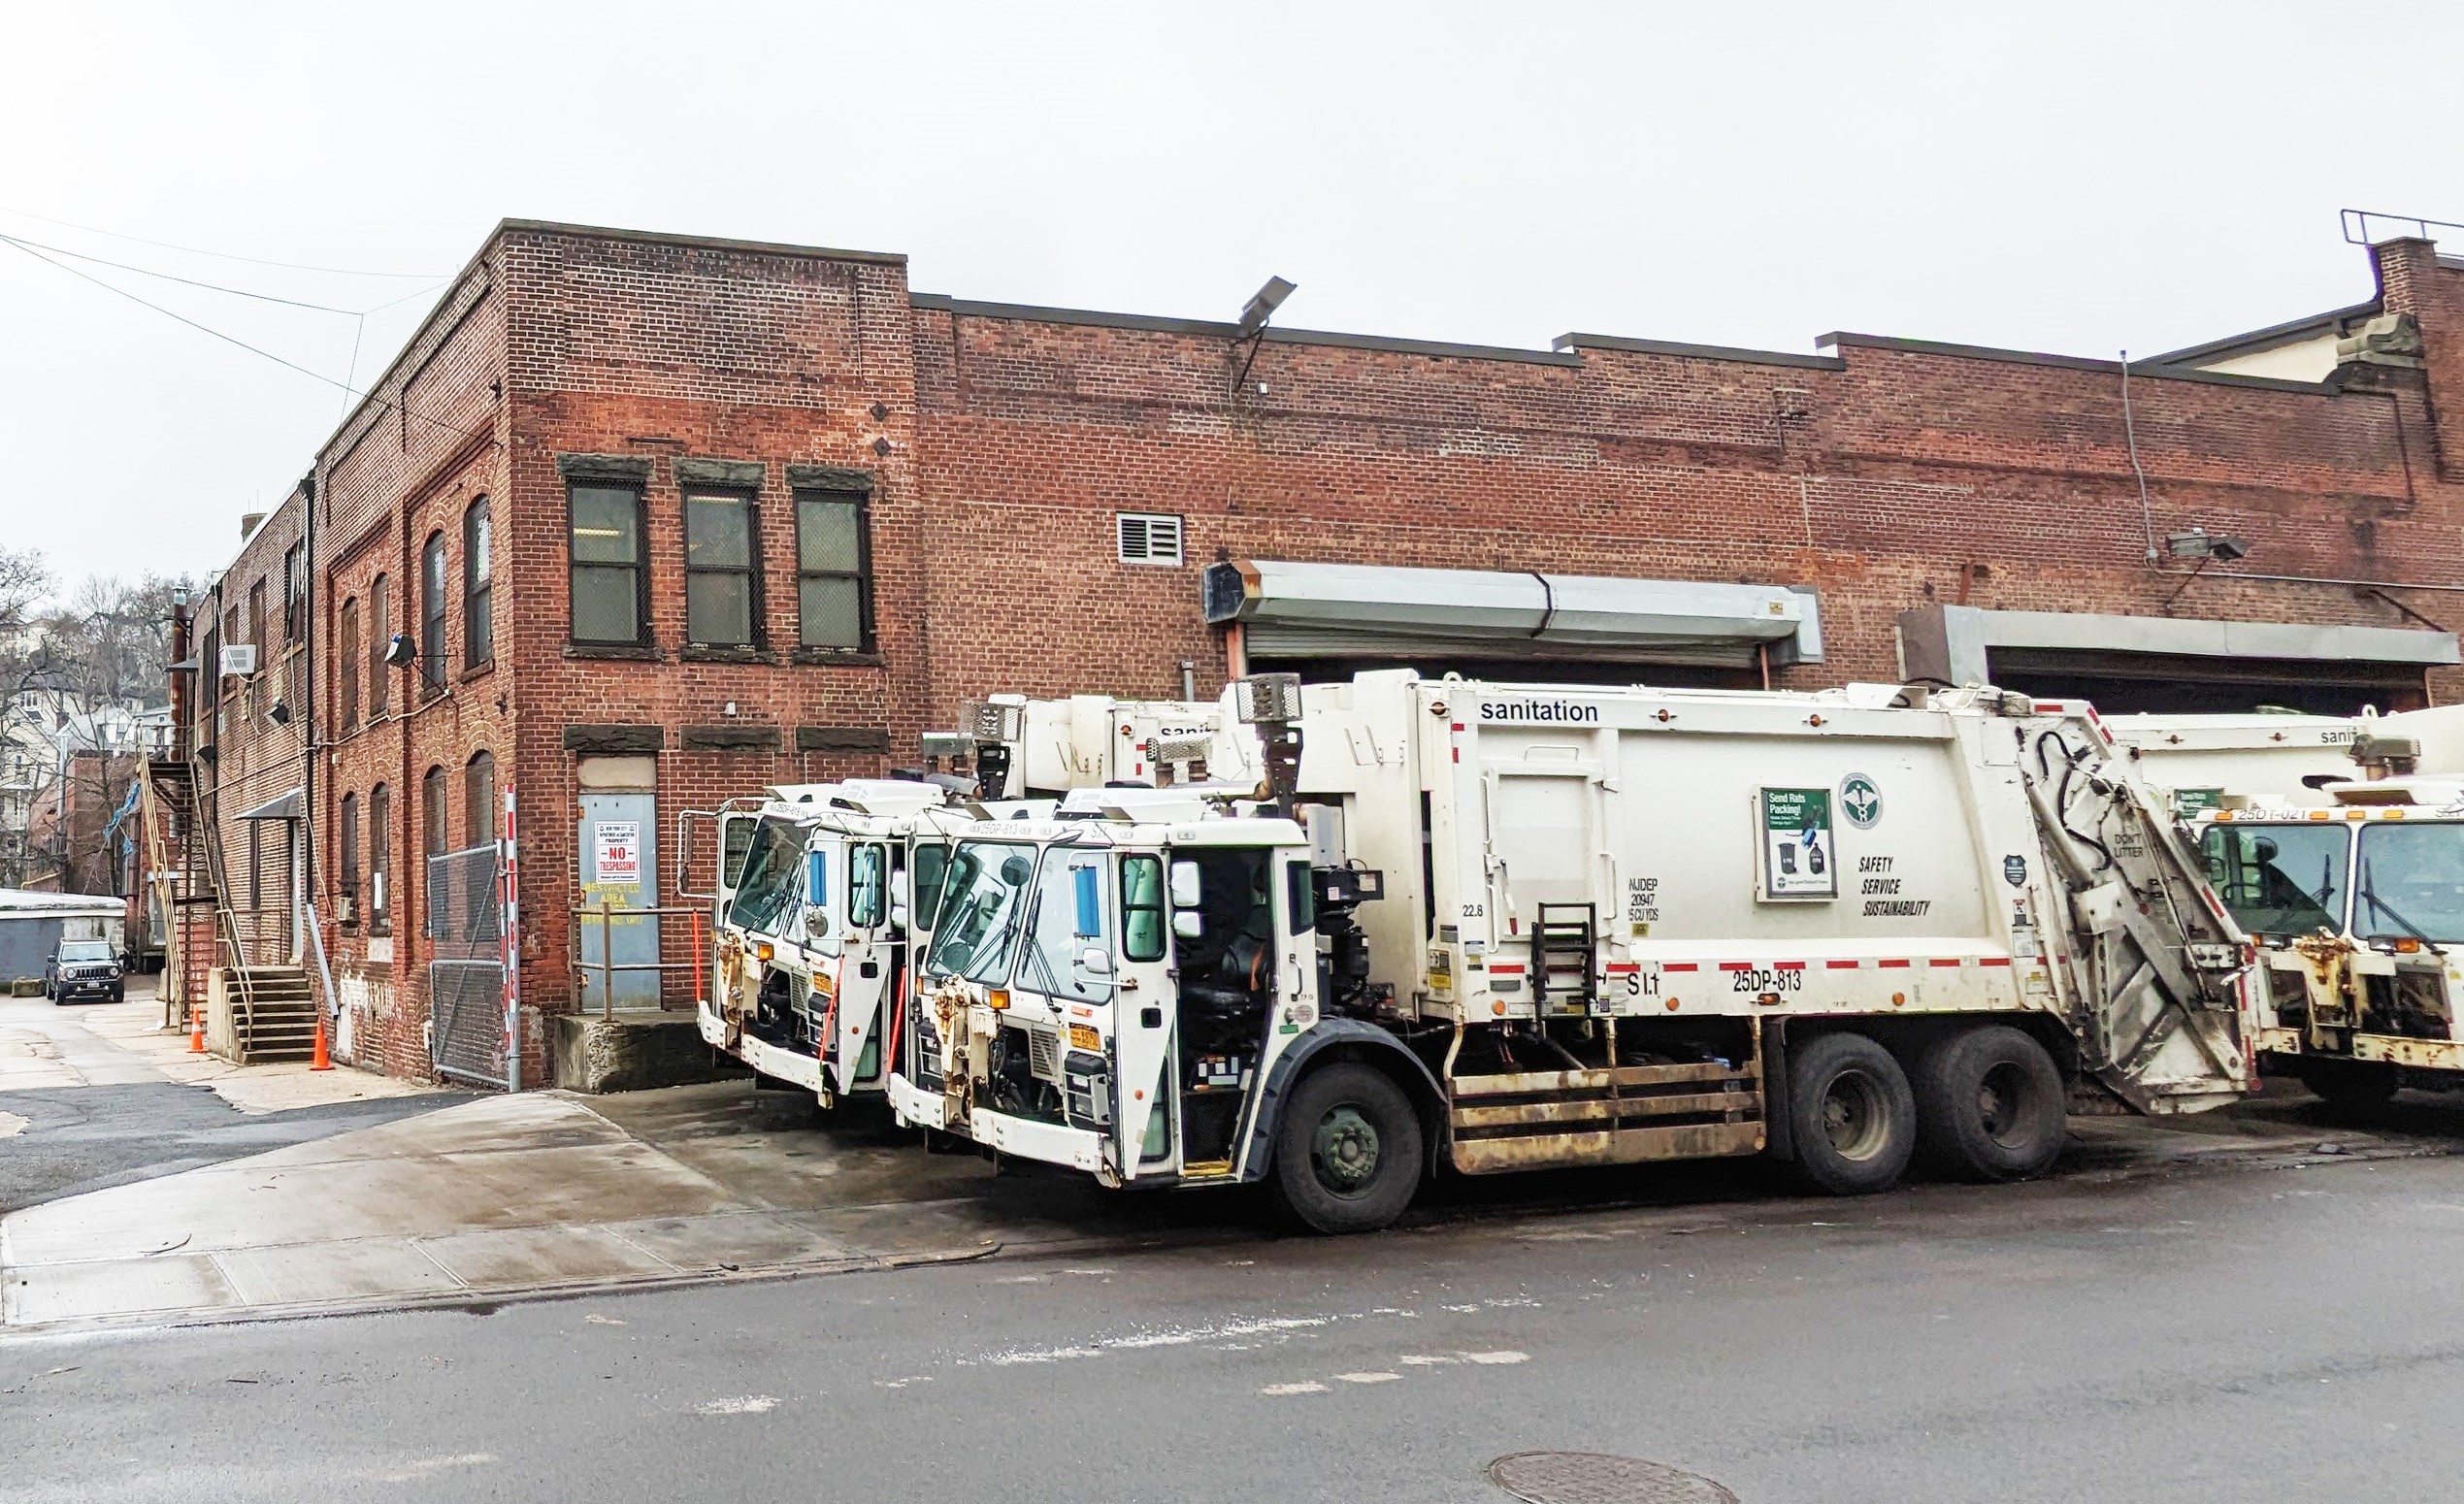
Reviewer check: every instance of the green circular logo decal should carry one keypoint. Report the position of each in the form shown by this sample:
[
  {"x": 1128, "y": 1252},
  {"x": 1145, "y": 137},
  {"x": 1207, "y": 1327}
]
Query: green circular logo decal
[{"x": 1860, "y": 800}]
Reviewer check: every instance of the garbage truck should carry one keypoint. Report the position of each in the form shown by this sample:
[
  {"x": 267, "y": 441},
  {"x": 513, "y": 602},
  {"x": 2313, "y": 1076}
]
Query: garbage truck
[
  {"x": 2205, "y": 763},
  {"x": 824, "y": 888},
  {"x": 1485, "y": 927},
  {"x": 2357, "y": 911}
]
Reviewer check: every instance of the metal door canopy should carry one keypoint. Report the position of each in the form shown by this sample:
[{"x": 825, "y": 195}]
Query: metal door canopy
[{"x": 1312, "y": 610}]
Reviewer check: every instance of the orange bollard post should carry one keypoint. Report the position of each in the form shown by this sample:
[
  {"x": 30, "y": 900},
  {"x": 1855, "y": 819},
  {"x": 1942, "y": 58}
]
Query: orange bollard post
[
  {"x": 318, "y": 1059},
  {"x": 196, "y": 1029}
]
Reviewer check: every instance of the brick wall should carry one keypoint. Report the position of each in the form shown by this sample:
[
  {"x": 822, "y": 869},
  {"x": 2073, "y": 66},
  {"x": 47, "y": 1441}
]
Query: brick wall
[{"x": 998, "y": 443}]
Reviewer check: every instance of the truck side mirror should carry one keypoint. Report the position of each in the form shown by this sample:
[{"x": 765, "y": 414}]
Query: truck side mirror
[
  {"x": 1096, "y": 960},
  {"x": 1185, "y": 885},
  {"x": 1188, "y": 924},
  {"x": 898, "y": 916}
]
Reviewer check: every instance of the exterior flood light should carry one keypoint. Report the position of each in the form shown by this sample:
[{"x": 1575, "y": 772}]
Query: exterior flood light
[
  {"x": 1262, "y": 306},
  {"x": 2199, "y": 544}
]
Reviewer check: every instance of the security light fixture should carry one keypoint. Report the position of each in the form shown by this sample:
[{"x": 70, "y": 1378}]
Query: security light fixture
[
  {"x": 1263, "y": 305},
  {"x": 401, "y": 651},
  {"x": 2199, "y": 544},
  {"x": 278, "y": 713}
]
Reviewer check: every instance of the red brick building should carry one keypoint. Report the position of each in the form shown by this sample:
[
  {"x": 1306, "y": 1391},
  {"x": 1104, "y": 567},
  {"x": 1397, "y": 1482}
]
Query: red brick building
[{"x": 659, "y": 520}]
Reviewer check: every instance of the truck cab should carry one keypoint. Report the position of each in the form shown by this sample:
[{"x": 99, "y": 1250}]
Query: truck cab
[
  {"x": 1109, "y": 989},
  {"x": 813, "y": 927},
  {"x": 2358, "y": 913}
]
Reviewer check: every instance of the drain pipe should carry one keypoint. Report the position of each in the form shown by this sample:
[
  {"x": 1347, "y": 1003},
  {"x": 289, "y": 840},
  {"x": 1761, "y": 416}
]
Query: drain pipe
[{"x": 2130, "y": 438}]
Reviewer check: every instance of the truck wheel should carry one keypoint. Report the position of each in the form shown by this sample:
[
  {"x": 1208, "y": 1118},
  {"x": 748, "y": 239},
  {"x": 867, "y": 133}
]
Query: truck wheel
[
  {"x": 1855, "y": 1121},
  {"x": 1347, "y": 1150},
  {"x": 2352, "y": 1089},
  {"x": 1989, "y": 1105}
]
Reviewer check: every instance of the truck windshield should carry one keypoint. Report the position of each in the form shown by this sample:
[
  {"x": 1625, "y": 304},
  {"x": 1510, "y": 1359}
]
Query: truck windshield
[
  {"x": 983, "y": 900},
  {"x": 86, "y": 950},
  {"x": 773, "y": 866},
  {"x": 2410, "y": 883},
  {"x": 2280, "y": 879}
]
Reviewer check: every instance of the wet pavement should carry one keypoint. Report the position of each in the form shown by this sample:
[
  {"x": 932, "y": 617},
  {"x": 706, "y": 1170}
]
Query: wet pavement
[
  {"x": 98, "y": 1095},
  {"x": 2218, "y": 1330},
  {"x": 545, "y": 1193}
]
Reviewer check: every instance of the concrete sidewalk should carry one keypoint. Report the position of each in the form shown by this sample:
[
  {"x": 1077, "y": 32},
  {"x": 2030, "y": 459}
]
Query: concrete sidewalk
[{"x": 530, "y": 1192}]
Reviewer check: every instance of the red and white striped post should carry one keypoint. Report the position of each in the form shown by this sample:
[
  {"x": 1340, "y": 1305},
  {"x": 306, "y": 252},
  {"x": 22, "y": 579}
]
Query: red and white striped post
[{"x": 510, "y": 941}]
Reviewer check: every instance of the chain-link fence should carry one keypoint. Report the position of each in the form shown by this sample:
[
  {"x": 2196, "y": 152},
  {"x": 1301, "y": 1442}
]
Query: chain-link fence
[{"x": 466, "y": 966}]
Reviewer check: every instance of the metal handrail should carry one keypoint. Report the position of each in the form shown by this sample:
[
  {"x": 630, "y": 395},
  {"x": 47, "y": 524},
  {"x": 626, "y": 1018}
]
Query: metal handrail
[{"x": 607, "y": 969}]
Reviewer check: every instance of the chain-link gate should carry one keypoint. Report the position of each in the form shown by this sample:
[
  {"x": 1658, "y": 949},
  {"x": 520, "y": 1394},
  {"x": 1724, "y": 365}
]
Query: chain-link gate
[{"x": 466, "y": 966}]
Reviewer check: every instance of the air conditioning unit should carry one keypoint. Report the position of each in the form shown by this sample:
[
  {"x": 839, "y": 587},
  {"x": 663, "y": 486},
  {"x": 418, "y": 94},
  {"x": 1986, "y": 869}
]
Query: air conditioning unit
[
  {"x": 346, "y": 909},
  {"x": 239, "y": 659}
]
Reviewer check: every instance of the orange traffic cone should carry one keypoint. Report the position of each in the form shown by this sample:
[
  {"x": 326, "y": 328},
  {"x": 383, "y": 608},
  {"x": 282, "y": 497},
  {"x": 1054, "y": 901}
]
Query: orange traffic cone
[
  {"x": 196, "y": 1029},
  {"x": 318, "y": 1059}
]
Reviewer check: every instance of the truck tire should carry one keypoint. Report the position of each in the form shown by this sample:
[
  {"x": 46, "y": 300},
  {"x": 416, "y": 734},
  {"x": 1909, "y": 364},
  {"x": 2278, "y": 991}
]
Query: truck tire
[
  {"x": 1347, "y": 1150},
  {"x": 1853, "y": 1117},
  {"x": 2350, "y": 1089},
  {"x": 1989, "y": 1105}
]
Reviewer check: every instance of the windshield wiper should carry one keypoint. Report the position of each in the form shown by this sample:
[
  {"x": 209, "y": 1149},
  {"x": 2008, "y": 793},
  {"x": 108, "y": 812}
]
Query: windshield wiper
[{"x": 2370, "y": 895}]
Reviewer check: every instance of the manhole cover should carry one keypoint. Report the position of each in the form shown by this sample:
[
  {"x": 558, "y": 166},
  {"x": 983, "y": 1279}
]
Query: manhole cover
[{"x": 1593, "y": 1478}]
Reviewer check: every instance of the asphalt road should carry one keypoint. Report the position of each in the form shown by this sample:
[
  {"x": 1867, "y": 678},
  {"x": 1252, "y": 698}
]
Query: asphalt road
[{"x": 2225, "y": 1334}]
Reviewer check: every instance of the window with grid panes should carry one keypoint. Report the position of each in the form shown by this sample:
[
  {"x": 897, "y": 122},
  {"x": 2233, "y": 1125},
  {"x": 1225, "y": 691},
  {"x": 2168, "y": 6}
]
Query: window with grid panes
[
  {"x": 606, "y": 562},
  {"x": 719, "y": 591},
  {"x": 834, "y": 584}
]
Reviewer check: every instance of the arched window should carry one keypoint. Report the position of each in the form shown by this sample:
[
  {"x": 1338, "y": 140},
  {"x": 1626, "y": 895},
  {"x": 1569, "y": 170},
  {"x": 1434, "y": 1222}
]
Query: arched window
[
  {"x": 432, "y": 613},
  {"x": 349, "y": 877},
  {"x": 479, "y": 799},
  {"x": 350, "y": 657},
  {"x": 433, "y": 839},
  {"x": 380, "y": 631},
  {"x": 478, "y": 629},
  {"x": 381, "y": 850}
]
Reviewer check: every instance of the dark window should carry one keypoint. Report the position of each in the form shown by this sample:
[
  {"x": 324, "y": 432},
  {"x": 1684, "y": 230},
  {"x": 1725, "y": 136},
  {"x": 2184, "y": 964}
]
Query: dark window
[
  {"x": 434, "y": 838},
  {"x": 479, "y": 627},
  {"x": 349, "y": 658},
  {"x": 833, "y": 571},
  {"x": 380, "y": 849},
  {"x": 479, "y": 799},
  {"x": 720, "y": 594},
  {"x": 381, "y": 630},
  {"x": 294, "y": 596},
  {"x": 350, "y": 874},
  {"x": 432, "y": 613},
  {"x": 607, "y": 559}
]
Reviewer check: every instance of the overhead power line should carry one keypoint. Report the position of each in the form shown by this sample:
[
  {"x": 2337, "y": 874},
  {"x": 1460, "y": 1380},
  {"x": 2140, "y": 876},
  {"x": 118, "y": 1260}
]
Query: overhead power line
[
  {"x": 292, "y": 365},
  {"x": 223, "y": 255},
  {"x": 186, "y": 282}
]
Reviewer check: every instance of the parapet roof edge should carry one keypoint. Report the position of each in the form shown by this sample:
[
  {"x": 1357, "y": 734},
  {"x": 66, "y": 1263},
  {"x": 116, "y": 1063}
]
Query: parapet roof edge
[
  {"x": 1683, "y": 350},
  {"x": 1027, "y": 313},
  {"x": 697, "y": 242},
  {"x": 2139, "y": 369},
  {"x": 2256, "y": 339}
]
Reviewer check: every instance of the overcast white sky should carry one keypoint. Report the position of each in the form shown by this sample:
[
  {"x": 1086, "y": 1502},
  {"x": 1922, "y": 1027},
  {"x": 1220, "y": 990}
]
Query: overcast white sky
[{"x": 2074, "y": 178}]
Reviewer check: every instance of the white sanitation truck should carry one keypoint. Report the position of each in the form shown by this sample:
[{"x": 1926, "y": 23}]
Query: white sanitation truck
[
  {"x": 2211, "y": 762},
  {"x": 825, "y": 890},
  {"x": 2358, "y": 908},
  {"x": 1493, "y": 927}
]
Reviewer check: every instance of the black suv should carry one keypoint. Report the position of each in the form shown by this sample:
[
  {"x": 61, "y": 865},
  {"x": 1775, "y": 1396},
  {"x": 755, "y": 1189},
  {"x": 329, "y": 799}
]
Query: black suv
[{"x": 83, "y": 968}]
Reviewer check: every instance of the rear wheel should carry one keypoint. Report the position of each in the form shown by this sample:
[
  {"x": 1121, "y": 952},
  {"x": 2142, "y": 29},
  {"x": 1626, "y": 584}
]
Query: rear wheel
[
  {"x": 1854, "y": 1120},
  {"x": 1347, "y": 1150},
  {"x": 1989, "y": 1105},
  {"x": 2352, "y": 1089}
]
